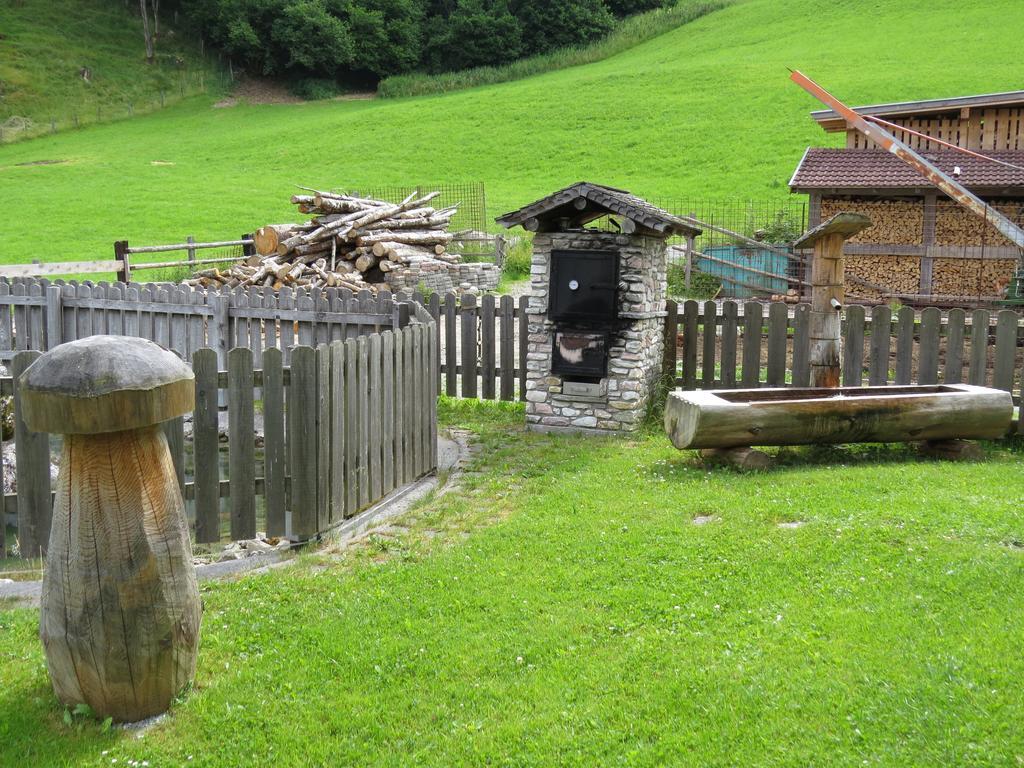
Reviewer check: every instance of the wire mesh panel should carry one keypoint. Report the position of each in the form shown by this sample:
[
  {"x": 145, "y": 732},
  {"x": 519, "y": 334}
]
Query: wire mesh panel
[
  {"x": 469, "y": 196},
  {"x": 744, "y": 247}
]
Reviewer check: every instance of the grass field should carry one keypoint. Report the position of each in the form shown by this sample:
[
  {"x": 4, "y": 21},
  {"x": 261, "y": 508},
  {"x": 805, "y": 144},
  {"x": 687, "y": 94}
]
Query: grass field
[
  {"x": 563, "y": 608},
  {"x": 45, "y": 44},
  {"x": 705, "y": 110}
]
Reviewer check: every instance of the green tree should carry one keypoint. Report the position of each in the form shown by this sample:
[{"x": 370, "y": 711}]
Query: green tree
[
  {"x": 476, "y": 32},
  {"x": 550, "y": 24}
]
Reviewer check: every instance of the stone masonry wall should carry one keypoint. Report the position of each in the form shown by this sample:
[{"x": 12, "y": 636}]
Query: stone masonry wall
[{"x": 635, "y": 344}]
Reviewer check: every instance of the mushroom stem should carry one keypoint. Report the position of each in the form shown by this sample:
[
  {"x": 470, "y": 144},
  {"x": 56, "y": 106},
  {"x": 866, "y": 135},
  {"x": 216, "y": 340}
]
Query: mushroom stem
[{"x": 120, "y": 605}]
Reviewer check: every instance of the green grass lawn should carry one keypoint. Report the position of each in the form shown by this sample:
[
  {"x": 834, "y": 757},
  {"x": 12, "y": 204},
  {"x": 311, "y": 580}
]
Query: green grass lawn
[
  {"x": 705, "y": 110},
  {"x": 562, "y": 608},
  {"x": 45, "y": 44}
]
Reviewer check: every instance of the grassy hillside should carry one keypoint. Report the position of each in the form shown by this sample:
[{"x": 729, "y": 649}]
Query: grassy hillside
[
  {"x": 44, "y": 45},
  {"x": 704, "y": 110}
]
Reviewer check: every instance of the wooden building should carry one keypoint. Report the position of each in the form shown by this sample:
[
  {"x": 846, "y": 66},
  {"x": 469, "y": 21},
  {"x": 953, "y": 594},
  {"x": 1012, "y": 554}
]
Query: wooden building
[{"x": 921, "y": 243}]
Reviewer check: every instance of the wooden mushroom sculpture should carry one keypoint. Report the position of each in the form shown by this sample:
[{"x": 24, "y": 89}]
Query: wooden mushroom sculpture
[{"x": 120, "y": 606}]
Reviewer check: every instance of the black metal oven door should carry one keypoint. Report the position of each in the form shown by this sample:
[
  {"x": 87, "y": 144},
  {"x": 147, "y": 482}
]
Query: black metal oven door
[
  {"x": 580, "y": 354},
  {"x": 584, "y": 285}
]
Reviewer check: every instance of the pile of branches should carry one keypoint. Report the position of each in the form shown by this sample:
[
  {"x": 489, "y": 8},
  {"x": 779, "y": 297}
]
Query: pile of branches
[{"x": 351, "y": 242}]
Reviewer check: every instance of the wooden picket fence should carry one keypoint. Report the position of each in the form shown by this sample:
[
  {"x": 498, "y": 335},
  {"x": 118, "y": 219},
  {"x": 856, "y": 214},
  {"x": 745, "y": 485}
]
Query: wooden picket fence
[
  {"x": 39, "y": 314},
  {"x": 725, "y": 346},
  {"x": 345, "y": 424},
  {"x": 482, "y": 343}
]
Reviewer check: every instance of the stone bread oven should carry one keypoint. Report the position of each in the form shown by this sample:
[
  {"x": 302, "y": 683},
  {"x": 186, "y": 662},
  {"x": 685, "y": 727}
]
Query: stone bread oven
[{"x": 597, "y": 308}]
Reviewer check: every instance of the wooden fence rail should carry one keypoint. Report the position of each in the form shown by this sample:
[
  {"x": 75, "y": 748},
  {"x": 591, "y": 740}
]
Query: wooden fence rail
[
  {"x": 768, "y": 346},
  {"x": 345, "y": 424}
]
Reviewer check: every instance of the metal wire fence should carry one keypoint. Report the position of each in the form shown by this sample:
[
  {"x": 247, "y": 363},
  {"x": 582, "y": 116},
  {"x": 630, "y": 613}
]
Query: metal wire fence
[
  {"x": 468, "y": 195},
  {"x": 729, "y": 252}
]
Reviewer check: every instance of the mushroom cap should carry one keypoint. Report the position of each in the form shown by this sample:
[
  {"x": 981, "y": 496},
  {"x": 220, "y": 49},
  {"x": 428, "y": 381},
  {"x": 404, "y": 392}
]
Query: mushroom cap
[{"x": 105, "y": 384}]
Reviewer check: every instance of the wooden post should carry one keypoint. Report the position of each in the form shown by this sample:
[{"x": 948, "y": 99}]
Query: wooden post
[
  {"x": 121, "y": 254},
  {"x": 191, "y": 251},
  {"x": 828, "y": 293}
]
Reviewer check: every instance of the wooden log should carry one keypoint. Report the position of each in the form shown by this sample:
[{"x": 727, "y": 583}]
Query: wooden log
[
  {"x": 432, "y": 238},
  {"x": 120, "y": 605},
  {"x": 952, "y": 450},
  {"x": 741, "y": 458},
  {"x": 791, "y": 416},
  {"x": 268, "y": 237}
]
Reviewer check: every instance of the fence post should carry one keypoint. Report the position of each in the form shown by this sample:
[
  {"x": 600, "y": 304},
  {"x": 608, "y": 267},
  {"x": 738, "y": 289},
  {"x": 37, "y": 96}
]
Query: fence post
[
  {"x": 121, "y": 254},
  {"x": 691, "y": 242},
  {"x": 191, "y": 251},
  {"x": 500, "y": 246}
]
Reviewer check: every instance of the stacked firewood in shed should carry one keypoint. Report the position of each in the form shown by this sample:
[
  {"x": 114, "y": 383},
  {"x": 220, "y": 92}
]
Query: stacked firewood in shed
[{"x": 350, "y": 242}]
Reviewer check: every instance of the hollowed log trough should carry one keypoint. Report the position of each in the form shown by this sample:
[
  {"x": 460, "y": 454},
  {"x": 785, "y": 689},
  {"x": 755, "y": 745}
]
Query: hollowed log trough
[{"x": 801, "y": 416}]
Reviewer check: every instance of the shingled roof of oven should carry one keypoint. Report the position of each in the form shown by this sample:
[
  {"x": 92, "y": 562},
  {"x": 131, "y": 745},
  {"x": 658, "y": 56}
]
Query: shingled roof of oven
[{"x": 585, "y": 201}]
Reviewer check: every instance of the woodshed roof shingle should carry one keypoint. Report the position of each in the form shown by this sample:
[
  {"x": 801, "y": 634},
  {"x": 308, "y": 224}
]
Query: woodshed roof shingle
[{"x": 824, "y": 168}]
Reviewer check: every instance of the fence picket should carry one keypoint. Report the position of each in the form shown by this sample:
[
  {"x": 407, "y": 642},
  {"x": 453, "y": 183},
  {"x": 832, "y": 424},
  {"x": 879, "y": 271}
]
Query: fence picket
[
  {"x": 35, "y": 319},
  {"x": 374, "y": 405},
  {"x": 954, "y": 372},
  {"x": 524, "y": 327},
  {"x": 205, "y": 447},
  {"x": 467, "y": 318},
  {"x": 979, "y": 347},
  {"x": 409, "y": 404},
  {"x": 778, "y": 328},
  {"x": 54, "y": 323},
  {"x": 323, "y": 437},
  {"x": 399, "y": 407},
  {"x": 286, "y": 302},
  {"x": 487, "y": 352},
  {"x": 506, "y": 343},
  {"x": 881, "y": 330},
  {"x": 337, "y": 443},
  {"x": 115, "y": 316},
  {"x": 353, "y": 407},
  {"x": 853, "y": 347},
  {"x": 451, "y": 352},
  {"x": 753, "y": 321},
  {"x": 691, "y": 313},
  {"x": 6, "y": 327},
  {"x": 302, "y": 441},
  {"x": 710, "y": 328},
  {"x": 387, "y": 390},
  {"x": 435, "y": 312},
  {"x": 730, "y": 330},
  {"x": 32, "y": 472},
  {"x": 174, "y": 431},
  {"x": 670, "y": 340},
  {"x": 904, "y": 344},
  {"x": 363, "y": 379},
  {"x": 928, "y": 354},
  {"x": 1006, "y": 350},
  {"x": 801, "y": 345},
  {"x": 241, "y": 448},
  {"x": 273, "y": 441}
]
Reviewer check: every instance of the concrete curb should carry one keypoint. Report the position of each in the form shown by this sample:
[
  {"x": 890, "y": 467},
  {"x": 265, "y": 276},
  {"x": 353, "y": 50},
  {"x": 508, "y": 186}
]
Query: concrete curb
[{"x": 451, "y": 456}]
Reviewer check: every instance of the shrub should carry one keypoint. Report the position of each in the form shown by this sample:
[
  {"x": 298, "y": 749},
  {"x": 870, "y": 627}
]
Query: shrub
[
  {"x": 517, "y": 259},
  {"x": 314, "y": 88},
  {"x": 702, "y": 285}
]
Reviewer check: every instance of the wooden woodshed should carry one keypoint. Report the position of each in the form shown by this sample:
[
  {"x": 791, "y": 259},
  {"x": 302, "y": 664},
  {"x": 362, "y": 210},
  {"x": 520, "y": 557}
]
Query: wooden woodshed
[{"x": 922, "y": 246}]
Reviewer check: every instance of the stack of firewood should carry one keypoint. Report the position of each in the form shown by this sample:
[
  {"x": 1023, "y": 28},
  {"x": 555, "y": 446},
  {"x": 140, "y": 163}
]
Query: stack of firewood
[
  {"x": 892, "y": 221},
  {"x": 351, "y": 242},
  {"x": 792, "y": 296}
]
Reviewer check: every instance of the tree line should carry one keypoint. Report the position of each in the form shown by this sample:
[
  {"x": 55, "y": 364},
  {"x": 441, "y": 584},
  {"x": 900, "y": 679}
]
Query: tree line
[{"x": 322, "y": 44}]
